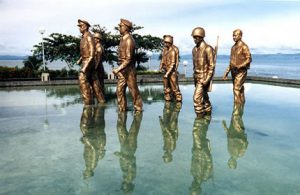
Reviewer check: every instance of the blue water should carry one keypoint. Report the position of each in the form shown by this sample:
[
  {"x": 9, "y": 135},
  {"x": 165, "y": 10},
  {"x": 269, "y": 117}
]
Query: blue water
[
  {"x": 265, "y": 65},
  {"x": 44, "y": 149}
]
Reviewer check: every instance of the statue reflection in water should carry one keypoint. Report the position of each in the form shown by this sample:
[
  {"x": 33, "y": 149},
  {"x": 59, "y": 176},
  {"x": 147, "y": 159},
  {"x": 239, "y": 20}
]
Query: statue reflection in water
[
  {"x": 236, "y": 137},
  {"x": 92, "y": 126},
  {"x": 169, "y": 127},
  {"x": 202, "y": 164},
  {"x": 128, "y": 146}
]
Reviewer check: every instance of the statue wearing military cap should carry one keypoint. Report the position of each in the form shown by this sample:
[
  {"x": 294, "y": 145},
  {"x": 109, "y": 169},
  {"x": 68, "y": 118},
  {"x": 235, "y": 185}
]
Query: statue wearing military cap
[
  {"x": 204, "y": 67},
  {"x": 126, "y": 23},
  {"x": 81, "y": 22},
  {"x": 168, "y": 65},
  {"x": 88, "y": 79},
  {"x": 126, "y": 72}
]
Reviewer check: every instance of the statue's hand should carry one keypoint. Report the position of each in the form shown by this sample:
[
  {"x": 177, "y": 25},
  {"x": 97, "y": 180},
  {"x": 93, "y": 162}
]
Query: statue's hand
[
  {"x": 205, "y": 83},
  {"x": 225, "y": 77},
  {"x": 115, "y": 71}
]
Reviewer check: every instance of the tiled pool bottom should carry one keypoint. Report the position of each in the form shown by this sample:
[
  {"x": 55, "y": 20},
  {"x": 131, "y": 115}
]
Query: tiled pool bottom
[{"x": 163, "y": 151}]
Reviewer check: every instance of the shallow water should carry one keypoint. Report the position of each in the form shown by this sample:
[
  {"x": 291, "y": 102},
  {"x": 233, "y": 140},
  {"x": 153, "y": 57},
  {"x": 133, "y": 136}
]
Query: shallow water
[{"x": 51, "y": 145}]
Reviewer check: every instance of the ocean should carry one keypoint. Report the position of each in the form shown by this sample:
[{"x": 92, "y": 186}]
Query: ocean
[{"x": 266, "y": 65}]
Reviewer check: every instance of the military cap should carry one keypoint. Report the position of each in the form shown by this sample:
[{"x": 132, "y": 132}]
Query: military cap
[
  {"x": 126, "y": 23},
  {"x": 80, "y": 22}
]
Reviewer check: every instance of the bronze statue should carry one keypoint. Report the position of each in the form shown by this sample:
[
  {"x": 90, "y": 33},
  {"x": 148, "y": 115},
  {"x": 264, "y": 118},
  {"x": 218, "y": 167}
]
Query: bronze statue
[
  {"x": 240, "y": 59},
  {"x": 128, "y": 143},
  {"x": 204, "y": 67},
  {"x": 92, "y": 125},
  {"x": 237, "y": 142},
  {"x": 169, "y": 127},
  {"x": 168, "y": 65},
  {"x": 202, "y": 162},
  {"x": 99, "y": 53},
  {"x": 126, "y": 72},
  {"x": 88, "y": 79}
]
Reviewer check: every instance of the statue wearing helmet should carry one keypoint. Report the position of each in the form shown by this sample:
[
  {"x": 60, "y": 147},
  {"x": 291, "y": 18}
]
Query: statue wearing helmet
[
  {"x": 168, "y": 65},
  {"x": 198, "y": 31},
  {"x": 204, "y": 67}
]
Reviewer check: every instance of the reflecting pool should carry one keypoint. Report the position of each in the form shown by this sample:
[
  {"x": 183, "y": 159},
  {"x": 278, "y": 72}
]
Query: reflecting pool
[{"x": 50, "y": 144}]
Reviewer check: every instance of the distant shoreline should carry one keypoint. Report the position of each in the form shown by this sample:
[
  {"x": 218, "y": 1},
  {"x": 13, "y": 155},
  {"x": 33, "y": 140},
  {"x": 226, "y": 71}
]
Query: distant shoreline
[{"x": 12, "y": 57}]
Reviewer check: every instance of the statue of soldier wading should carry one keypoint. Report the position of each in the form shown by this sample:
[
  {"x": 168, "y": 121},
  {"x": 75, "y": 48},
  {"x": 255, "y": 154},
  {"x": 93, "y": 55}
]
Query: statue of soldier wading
[
  {"x": 204, "y": 67},
  {"x": 240, "y": 59},
  {"x": 88, "y": 79},
  {"x": 126, "y": 72},
  {"x": 169, "y": 64}
]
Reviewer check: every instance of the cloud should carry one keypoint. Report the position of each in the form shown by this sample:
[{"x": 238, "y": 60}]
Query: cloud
[{"x": 264, "y": 23}]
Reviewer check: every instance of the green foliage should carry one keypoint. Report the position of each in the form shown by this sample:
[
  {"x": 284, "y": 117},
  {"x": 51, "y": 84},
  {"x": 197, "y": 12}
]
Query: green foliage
[
  {"x": 24, "y": 72},
  {"x": 145, "y": 43},
  {"x": 109, "y": 43},
  {"x": 28, "y": 73},
  {"x": 59, "y": 47},
  {"x": 67, "y": 47},
  {"x": 33, "y": 62}
]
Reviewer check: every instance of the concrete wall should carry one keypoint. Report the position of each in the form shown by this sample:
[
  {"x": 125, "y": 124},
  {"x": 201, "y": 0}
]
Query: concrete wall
[{"x": 152, "y": 79}]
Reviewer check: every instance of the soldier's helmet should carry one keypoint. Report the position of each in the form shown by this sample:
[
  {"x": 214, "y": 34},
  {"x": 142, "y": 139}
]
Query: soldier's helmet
[
  {"x": 198, "y": 31},
  {"x": 168, "y": 39},
  {"x": 98, "y": 35}
]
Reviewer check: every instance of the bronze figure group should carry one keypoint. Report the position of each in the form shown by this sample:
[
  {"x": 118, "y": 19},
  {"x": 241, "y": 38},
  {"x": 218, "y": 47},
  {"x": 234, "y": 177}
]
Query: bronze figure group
[
  {"x": 91, "y": 75},
  {"x": 88, "y": 75},
  {"x": 92, "y": 124}
]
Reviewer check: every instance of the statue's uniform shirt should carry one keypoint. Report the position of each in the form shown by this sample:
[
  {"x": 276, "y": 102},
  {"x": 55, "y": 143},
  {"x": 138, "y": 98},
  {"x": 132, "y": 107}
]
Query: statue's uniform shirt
[
  {"x": 169, "y": 62},
  {"x": 87, "y": 47},
  {"x": 203, "y": 61},
  {"x": 126, "y": 54},
  {"x": 240, "y": 55},
  {"x": 128, "y": 74},
  {"x": 240, "y": 59}
]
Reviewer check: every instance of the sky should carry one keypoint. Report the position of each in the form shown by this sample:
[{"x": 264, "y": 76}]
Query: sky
[{"x": 269, "y": 26}]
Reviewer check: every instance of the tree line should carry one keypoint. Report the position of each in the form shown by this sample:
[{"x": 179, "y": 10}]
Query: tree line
[{"x": 66, "y": 47}]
